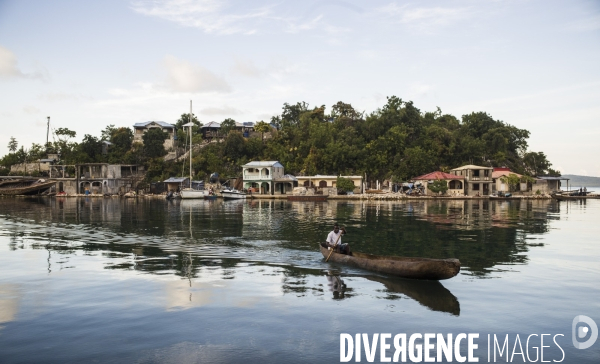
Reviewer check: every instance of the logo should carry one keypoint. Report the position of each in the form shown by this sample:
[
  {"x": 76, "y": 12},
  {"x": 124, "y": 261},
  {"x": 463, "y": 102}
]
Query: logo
[{"x": 582, "y": 331}]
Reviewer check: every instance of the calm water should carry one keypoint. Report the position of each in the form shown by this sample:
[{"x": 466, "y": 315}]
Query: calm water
[{"x": 153, "y": 281}]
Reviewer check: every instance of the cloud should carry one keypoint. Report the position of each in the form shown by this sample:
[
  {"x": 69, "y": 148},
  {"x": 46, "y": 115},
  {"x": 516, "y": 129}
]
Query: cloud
[
  {"x": 237, "y": 17},
  {"x": 209, "y": 15},
  {"x": 246, "y": 68},
  {"x": 182, "y": 76},
  {"x": 9, "y": 69},
  {"x": 225, "y": 110},
  {"x": 29, "y": 109},
  {"x": 424, "y": 18},
  {"x": 62, "y": 96}
]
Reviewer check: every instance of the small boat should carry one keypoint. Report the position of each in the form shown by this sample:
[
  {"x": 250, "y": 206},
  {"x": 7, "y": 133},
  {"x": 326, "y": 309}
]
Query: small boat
[
  {"x": 24, "y": 187},
  {"x": 232, "y": 194},
  {"x": 130, "y": 194},
  {"x": 566, "y": 197},
  {"x": 192, "y": 193},
  {"x": 210, "y": 197},
  {"x": 415, "y": 268}
]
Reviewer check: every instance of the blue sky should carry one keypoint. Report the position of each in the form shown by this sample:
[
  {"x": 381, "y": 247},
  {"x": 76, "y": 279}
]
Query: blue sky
[{"x": 532, "y": 64}]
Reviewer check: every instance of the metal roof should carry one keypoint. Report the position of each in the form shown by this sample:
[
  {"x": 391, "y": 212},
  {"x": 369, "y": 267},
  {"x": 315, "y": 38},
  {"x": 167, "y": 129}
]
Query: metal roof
[
  {"x": 437, "y": 175},
  {"x": 553, "y": 178},
  {"x": 176, "y": 179},
  {"x": 212, "y": 124},
  {"x": 498, "y": 174},
  {"x": 263, "y": 164},
  {"x": 470, "y": 166},
  {"x": 161, "y": 123}
]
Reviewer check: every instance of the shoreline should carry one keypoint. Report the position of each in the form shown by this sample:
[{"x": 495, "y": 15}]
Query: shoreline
[{"x": 369, "y": 197}]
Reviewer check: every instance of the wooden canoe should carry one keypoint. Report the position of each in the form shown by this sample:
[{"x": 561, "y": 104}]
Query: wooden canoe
[
  {"x": 415, "y": 268},
  {"x": 564, "y": 197},
  {"x": 25, "y": 188}
]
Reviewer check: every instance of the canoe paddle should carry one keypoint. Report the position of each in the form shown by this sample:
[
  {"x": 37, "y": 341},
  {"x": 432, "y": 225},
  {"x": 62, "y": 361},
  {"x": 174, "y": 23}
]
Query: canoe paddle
[{"x": 333, "y": 247}]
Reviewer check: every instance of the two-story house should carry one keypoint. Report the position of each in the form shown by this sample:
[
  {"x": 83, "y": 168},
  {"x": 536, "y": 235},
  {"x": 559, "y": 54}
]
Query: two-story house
[
  {"x": 267, "y": 178},
  {"x": 140, "y": 128},
  {"x": 478, "y": 180}
]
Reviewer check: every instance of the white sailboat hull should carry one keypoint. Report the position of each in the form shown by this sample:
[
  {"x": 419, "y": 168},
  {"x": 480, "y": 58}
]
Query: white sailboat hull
[
  {"x": 188, "y": 193},
  {"x": 233, "y": 195}
]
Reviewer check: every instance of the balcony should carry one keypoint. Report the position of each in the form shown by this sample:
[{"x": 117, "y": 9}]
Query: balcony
[{"x": 256, "y": 176}]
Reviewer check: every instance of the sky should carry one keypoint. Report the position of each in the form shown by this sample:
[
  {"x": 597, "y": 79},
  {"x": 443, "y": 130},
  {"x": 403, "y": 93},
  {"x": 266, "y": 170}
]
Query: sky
[{"x": 88, "y": 64}]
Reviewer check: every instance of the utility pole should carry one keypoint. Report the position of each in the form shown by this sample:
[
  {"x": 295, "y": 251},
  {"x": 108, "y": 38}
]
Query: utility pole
[{"x": 47, "y": 133}]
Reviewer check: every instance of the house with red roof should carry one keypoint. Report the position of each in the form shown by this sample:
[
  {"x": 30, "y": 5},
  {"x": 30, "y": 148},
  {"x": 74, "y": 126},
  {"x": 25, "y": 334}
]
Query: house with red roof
[
  {"x": 497, "y": 181},
  {"x": 456, "y": 184}
]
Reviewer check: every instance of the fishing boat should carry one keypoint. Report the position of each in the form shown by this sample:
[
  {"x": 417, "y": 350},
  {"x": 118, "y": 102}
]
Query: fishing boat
[
  {"x": 415, "y": 268},
  {"x": 566, "y": 197},
  {"x": 233, "y": 194},
  {"x": 24, "y": 186}
]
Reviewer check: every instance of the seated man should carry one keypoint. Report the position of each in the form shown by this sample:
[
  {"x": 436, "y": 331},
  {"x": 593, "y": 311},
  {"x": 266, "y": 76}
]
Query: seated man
[{"x": 334, "y": 240}]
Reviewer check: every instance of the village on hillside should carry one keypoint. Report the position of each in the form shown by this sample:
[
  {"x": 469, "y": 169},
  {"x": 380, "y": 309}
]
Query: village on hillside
[{"x": 260, "y": 178}]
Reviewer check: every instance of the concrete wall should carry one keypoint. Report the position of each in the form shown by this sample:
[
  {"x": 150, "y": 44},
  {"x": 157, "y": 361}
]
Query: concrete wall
[{"x": 27, "y": 168}]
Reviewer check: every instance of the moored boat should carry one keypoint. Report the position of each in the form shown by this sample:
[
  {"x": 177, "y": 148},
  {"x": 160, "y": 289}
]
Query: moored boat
[
  {"x": 415, "y": 268},
  {"x": 24, "y": 187},
  {"x": 233, "y": 194},
  {"x": 565, "y": 197}
]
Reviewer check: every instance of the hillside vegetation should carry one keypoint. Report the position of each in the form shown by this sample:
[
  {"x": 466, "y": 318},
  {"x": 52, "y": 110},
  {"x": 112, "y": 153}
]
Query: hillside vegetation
[{"x": 397, "y": 141}]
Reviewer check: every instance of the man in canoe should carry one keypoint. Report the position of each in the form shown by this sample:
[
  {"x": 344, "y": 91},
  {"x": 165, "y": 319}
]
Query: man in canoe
[{"x": 334, "y": 240}]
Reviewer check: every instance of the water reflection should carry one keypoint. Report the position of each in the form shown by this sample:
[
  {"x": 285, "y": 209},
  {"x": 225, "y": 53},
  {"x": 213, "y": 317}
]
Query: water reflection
[
  {"x": 482, "y": 234},
  {"x": 336, "y": 285},
  {"x": 431, "y": 294}
]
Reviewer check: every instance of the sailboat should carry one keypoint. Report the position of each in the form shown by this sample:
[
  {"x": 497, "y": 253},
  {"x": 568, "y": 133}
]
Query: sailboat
[{"x": 191, "y": 192}]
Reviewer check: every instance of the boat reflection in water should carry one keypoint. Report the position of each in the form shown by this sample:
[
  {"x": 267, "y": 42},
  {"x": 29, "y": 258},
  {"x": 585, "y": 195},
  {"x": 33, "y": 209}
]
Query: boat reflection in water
[{"x": 431, "y": 294}]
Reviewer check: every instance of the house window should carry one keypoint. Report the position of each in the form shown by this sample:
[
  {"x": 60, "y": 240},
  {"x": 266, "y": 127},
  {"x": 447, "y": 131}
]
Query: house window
[
  {"x": 475, "y": 186},
  {"x": 486, "y": 173},
  {"x": 476, "y": 173},
  {"x": 322, "y": 183}
]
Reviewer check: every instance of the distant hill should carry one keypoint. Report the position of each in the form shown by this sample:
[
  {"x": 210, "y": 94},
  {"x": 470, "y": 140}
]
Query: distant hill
[{"x": 582, "y": 181}]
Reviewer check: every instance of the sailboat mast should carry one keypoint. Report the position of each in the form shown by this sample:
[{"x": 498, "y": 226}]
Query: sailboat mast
[{"x": 191, "y": 146}]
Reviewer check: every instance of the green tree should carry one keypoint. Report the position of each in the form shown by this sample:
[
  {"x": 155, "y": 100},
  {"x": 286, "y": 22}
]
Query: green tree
[
  {"x": 91, "y": 147},
  {"x": 154, "y": 143},
  {"x": 107, "y": 133},
  {"x": 234, "y": 144},
  {"x": 344, "y": 184},
  {"x": 36, "y": 152},
  {"x": 181, "y": 132},
  {"x": 438, "y": 186},
  {"x": 121, "y": 139},
  {"x": 262, "y": 128},
  {"x": 64, "y": 134},
  {"x": 512, "y": 180},
  {"x": 13, "y": 145},
  {"x": 227, "y": 125}
]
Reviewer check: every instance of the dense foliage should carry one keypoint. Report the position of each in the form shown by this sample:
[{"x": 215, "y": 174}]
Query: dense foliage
[{"x": 397, "y": 142}]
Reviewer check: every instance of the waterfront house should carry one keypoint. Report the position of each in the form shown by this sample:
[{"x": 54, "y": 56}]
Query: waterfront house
[
  {"x": 549, "y": 184},
  {"x": 455, "y": 183},
  {"x": 96, "y": 178},
  {"x": 267, "y": 178},
  {"x": 324, "y": 184},
  {"x": 141, "y": 128},
  {"x": 478, "y": 180},
  {"x": 498, "y": 185},
  {"x": 176, "y": 183}
]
